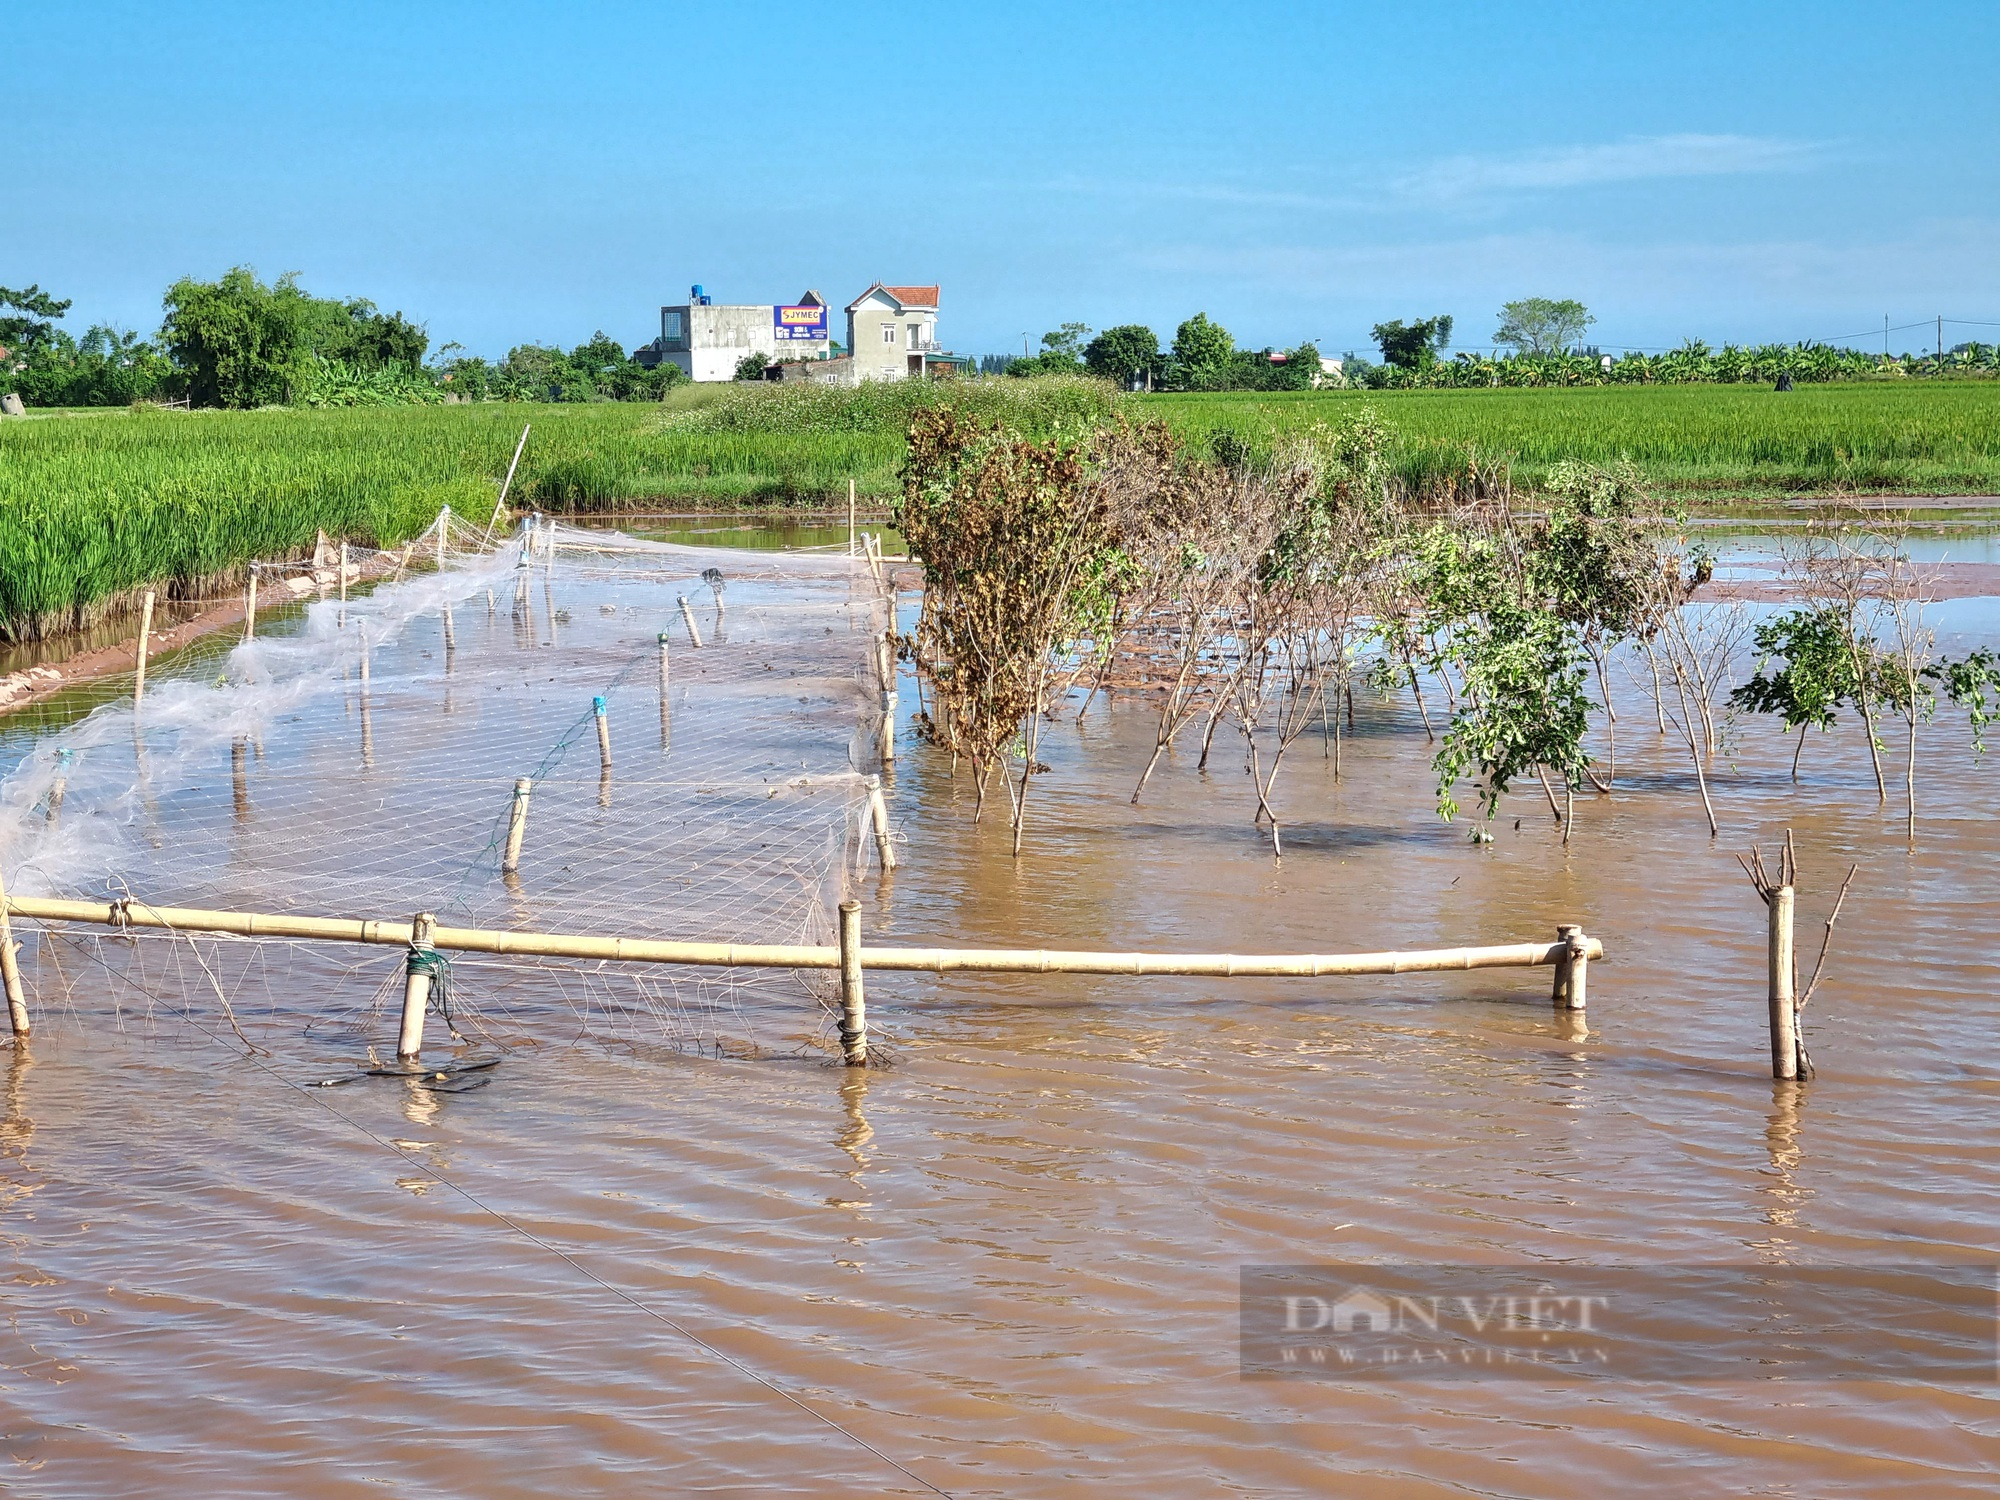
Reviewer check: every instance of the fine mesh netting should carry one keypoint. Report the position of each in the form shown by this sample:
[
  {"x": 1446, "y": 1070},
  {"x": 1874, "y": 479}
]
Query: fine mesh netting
[{"x": 361, "y": 761}]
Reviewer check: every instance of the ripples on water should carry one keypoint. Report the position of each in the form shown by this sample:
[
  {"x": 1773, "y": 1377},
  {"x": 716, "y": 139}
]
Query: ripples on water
[{"x": 1010, "y": 1261}]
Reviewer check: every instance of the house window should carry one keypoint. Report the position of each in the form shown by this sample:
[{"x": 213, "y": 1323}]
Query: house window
[
  {"x": 888, "y": 333},
  {"x": 671, "y": 328}
]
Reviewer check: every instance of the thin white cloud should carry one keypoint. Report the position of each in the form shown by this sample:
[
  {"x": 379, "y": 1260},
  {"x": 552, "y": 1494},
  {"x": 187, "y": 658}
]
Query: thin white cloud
[{"x": 1638, "y": 159}]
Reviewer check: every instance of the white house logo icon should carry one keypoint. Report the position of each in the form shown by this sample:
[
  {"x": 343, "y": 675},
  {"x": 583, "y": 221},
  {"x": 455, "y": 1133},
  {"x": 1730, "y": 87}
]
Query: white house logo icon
[{"x": 1361, "y": 1311}]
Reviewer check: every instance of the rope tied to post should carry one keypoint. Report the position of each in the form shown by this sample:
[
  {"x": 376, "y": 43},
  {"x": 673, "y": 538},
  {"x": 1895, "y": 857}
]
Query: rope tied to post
[{"x": 436, "y": 967}]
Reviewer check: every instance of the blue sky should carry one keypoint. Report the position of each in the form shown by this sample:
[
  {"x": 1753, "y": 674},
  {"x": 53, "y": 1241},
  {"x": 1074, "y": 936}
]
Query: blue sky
[{"x": 511, "y": 173}]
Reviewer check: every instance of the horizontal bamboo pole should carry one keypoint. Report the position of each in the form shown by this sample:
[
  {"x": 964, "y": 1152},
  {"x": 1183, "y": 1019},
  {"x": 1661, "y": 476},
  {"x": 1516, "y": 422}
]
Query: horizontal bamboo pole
[{"x": 781, "y": 956}]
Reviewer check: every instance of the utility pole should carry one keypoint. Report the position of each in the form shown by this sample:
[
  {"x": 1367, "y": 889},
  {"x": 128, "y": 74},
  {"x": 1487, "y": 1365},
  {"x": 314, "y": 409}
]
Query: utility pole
[
  {"x": 1885, "y": 336},
  {"x": 1940, "y": 343}
]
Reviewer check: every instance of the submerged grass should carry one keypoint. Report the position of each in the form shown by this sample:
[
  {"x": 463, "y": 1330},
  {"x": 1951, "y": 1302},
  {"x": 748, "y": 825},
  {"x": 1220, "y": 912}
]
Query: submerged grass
[{"x": 94, "y": 506}]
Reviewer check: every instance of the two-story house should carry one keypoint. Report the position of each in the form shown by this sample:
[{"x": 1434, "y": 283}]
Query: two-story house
[{"x": 892, "y": 333}]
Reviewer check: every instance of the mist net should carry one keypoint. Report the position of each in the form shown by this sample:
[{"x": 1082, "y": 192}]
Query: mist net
[{"x": 359, "y": 758}]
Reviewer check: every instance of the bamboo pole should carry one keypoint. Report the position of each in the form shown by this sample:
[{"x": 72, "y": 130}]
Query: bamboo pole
[
  {"x": 500, "y": 504},
  {"x": 443, "y": 530},
  {"x": 250, "y": 607},
  {"x": 133, "y": 913},
  {"x": 888, "y": 739},
  {"x": 878, "y": 815},
  {"x": 666, "y": 685},
  {"x": 416, "y": 989},
  {"x": 1572, "y": 968},
  {"x": 145, "y": 643},
  {"x": 10, "y": 971},
  {"x": 850, "y": 517},
  {"x": 239, "y": 776},
  {"x": 517, "y": 828},
  {"x": 450, "y": 638},
  {"x": 59, "y": 787},
  {"x": 853, "y": 1003},
  {"x": 694, "y": 633},
  {"x": 343, "y": 576},
  {"x": 1784, "y": 1015},
  {"x": 599, "y": 709}
]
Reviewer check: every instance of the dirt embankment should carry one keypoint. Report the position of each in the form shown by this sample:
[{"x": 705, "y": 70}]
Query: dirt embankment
[{"x": 30, "y": 683}]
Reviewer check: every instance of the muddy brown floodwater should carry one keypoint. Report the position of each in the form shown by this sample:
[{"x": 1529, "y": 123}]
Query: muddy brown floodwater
[{"x": 1009, "y": 1262}]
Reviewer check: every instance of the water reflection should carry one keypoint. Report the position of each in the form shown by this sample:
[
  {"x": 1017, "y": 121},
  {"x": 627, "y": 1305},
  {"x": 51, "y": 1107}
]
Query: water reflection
[
  {"x": 1786, "y": 1196},
  {"x": 17, "y": 1131},
  {"x": 855, "y": 1132}
]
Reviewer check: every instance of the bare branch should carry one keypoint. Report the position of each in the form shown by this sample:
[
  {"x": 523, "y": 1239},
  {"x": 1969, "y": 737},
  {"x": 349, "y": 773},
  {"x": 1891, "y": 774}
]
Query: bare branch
[{"x": 1826, "y": 941}]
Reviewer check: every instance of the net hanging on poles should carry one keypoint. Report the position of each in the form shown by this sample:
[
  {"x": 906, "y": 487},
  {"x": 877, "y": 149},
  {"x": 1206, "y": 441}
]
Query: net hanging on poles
[{"x": 360, "y": 758}]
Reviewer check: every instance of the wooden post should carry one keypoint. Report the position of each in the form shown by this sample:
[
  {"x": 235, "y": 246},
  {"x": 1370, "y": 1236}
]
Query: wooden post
[
  {"x": 59, "y": 786},
  {"x": 666, "y": 683},
  {"x": 888, "y": 745},
  {"x": 694, "y": 634},
  {"x": 1572, "y": 968},
  {"x": 598, "y": 707},
  {"x": 239, "y": 775},
  {"x": 878, "y": 815},
  {"x": 10, "y": 973},
  {"x": 506, "y": 484},
  {"x": 1784, "y": 1016},
  {"x": 145, "y": 644},
  {"x": 250, "y": 607},
  {"x": 517, "y": 826},
  {"x": 416, "y": 988},
  {"x": 853, "y": 1005}
]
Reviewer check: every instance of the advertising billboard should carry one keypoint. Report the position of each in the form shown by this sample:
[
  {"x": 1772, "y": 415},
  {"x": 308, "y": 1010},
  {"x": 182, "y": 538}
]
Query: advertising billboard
[{"x": 806, "y": 321}]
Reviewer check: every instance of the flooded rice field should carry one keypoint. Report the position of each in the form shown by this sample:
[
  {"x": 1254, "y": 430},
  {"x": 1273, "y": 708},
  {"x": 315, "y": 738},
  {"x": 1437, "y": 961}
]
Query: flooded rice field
[{"x": 666, "y": 1245}]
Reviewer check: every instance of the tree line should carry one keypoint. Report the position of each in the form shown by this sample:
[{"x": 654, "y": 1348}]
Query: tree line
[
  {"x": 1543, "y": 337},
  {"x": 238, "y": 342}
]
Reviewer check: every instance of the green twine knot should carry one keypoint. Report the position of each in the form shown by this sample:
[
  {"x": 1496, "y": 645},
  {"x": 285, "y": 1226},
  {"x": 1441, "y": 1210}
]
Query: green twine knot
[{"x": 435, "y": 965}]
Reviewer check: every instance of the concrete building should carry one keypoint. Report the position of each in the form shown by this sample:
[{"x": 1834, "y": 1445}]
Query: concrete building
[
  {"x": 707, "y": 340},
  {"x": 892, "y": 333}
]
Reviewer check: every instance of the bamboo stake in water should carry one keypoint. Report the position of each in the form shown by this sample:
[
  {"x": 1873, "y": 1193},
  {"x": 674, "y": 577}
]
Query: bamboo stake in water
[
  {"x": 888, "y": 742},
  {"x": 878, "y": 816},
  {"x": 853, "y": 1004},
  {"x": 250, "y": 607},
  {"x": 343, "y": 578},
  {"x": 10, "y": 972},
  {"x": 367, "y": 721},
  {"x": 239, "y": 777},
  {"x": 850, "y": 518},
  {"x": 666, "y": 682},
  {"x": 450, "y": 639},
  {"x": 599, "y": 708},
  {"x": 145, "y": 644},
  {"x": 416, "y": 990},
  {"x": 1572, "y": 968},
  {"x": 517, "y": 827},
  {"x": 444, "y": 530},
  {"x": 59, "y": 786},
  {"x": 1784, "y": 1016},
  {"x": 694, "y": 634}
]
